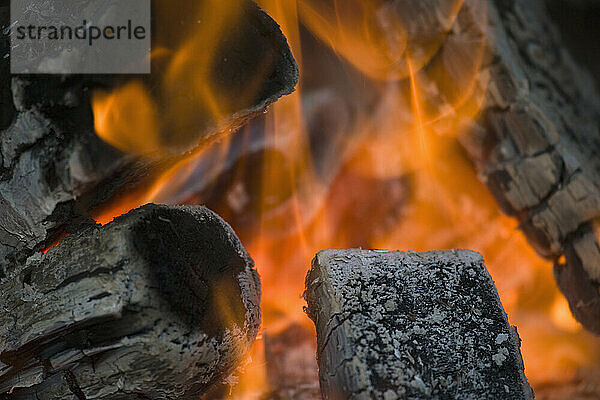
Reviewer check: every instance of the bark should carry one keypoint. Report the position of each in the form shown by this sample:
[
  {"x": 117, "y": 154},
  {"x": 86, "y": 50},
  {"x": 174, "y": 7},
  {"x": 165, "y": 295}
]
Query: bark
[
  {"x": 411, "y": 325},
  {"x": 537, "y": 145},
  {"x": 159, "y": 304},
  {"x": 52, "y": 165}
]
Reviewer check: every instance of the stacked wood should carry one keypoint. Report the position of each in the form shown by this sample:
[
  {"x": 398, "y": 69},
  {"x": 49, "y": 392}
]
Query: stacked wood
[
  {"x": 394, "y": 325},
  {"x": 53, "y": 167},
  {"x": 161, "y": 303}
]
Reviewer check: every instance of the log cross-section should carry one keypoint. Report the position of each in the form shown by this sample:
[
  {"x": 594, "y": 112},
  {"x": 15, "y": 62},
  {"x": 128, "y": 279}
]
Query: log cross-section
[
  {"x": 161, "y": 303},
  {"x": 394, "y": 325}
]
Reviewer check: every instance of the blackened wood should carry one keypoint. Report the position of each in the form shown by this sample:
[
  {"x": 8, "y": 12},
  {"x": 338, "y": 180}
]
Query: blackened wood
[
  {"x": 537, "y": 145},
  {"x": 53, "y": 166},
  {"x": 576, "y": 20},
  {"x": 159, "y": 304},
  {"x": 394, "y": 325}
]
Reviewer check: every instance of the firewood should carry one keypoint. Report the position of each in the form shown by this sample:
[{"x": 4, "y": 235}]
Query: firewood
[
  {"x": 161, "y": 303},
  {"x": 536, "y": 146},
  {"x": 413, "y": 325},
  {"x": 54, "y": 167}
]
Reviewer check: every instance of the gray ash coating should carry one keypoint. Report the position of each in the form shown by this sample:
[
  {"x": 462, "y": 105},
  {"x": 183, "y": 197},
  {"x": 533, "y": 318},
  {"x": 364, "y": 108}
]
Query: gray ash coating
[
  {"x": 394, "y": 325},
  {"x": 162, "y": 303}
]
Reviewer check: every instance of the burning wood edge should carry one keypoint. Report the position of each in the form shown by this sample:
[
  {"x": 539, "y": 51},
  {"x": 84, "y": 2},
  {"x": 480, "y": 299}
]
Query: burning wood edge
[
  {"x": 411, "y": 325},
  {"x": 161, "y": 303},
  {"x": 53, "y": 167}
]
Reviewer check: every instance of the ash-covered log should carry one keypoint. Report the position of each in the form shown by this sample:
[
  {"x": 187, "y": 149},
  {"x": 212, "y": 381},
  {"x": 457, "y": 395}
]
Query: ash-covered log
[
  {"x": 161, "y": 303},
  {"x": 394, "y": 325},
  {"x": 53, "y": 167}
]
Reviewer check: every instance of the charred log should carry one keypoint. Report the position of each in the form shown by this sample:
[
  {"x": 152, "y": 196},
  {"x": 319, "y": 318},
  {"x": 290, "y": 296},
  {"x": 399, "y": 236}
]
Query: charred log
[
  {"x": 54, "y": 167},
  {"x": 159, "y": 304},
  {"x": 411, "y": 325},
  {"x": 576, "y": 20},
  {"x": 537, "y": 144}
]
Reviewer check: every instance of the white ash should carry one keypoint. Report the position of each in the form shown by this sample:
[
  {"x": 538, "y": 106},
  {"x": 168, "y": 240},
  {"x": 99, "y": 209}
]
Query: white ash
[{"x": 412, "y": 325}]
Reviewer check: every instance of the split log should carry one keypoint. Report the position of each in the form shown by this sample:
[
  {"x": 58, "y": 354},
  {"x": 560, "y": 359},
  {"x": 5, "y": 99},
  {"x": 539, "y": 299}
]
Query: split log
[
  {"x": 53, "y": 167},
  {"x": 159, "y": 304},
  {"x": 537, "y": 144},
  {"x": 411, "y": 325}
]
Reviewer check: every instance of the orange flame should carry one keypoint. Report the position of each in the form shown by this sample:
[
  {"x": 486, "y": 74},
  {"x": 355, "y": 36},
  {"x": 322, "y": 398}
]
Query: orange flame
[
  {"x": 396, "y": 178},
  {"x": 187, "y": 106},
  {"x": 127, "y": 119}
]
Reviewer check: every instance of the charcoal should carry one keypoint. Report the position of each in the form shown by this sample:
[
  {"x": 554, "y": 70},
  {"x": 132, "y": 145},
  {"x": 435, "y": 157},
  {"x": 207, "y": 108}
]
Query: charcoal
[
  {"x": 162, "y": 303},
  {"x": 395, "y": 325}
]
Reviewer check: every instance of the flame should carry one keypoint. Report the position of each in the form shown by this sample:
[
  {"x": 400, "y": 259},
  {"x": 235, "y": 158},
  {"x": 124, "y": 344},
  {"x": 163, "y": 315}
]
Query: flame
[
  {"x": 182, "y": 104},
  {"x": 128, "y": 107},
  {"x": 395, "y": 177},
  {"x": 380, "y": 38}
]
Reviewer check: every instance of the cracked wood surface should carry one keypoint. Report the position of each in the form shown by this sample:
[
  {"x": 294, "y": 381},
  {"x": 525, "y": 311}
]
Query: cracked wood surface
[
  {"x": 159, "y": 304},
  {"x": 535, "y": 142},
  {"x": 537, "y": 145},
  {"x": 394, "y": 325},
  {"x": 54, "y": 168}
]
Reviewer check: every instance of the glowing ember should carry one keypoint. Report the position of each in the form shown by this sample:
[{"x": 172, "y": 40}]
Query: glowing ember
[{"x": 397, "y": 178}]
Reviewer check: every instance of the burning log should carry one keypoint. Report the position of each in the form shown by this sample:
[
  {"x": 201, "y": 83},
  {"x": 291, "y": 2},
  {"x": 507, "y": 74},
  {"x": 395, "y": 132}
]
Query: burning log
[
  {"x": 159, "y": 304},
  {"x": 537, "y": 147},
  {"x": 411, "y": 325},
  {"x": 53, "y": 167}
]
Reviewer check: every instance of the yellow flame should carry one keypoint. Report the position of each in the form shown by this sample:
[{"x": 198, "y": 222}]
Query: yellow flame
[
  {"x": 183, "y": 104},
  {"x": 426, "y": 102},
  {"x": 562, "y": 317}
]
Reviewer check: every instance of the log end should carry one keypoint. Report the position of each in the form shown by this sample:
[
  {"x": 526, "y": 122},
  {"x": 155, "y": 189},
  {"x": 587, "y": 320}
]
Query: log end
[
  {"x": 411, "y": 325},
  {"x": 162, "y": 302}
]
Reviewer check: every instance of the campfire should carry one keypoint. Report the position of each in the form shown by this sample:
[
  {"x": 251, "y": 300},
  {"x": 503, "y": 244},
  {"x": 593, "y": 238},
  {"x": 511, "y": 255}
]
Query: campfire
[{"x": 166, "y": 235}]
